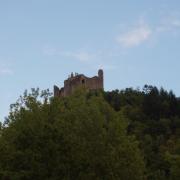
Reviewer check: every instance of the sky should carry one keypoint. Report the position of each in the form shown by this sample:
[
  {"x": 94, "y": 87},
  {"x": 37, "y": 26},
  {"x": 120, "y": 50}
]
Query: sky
[{"x": 135, "y": 42}]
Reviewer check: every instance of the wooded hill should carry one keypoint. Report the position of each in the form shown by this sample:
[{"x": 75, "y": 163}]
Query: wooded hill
[{"x": 127, "y": 135}]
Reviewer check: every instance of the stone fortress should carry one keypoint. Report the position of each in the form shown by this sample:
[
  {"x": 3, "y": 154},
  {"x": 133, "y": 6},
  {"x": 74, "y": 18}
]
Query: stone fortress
[{"x": 80, "y": 80}]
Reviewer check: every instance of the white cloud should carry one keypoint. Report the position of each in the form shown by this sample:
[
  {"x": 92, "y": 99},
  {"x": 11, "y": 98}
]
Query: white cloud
[
  {"x": 136, "y": 36},
  {"x": 82, "y": 56},
  {"x": 169, "y": 23},
  {"x": 6, "y": 71},
  {"x": 143, "y": 31},
  {"x": 176, "y": 22}
]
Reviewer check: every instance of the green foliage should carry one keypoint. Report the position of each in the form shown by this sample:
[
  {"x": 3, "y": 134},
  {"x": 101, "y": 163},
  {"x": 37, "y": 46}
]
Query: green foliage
[
  {"x": 78, "y": 137},
  {"x": 154, "y": 118},
  {"x": 127, "y": 135}
]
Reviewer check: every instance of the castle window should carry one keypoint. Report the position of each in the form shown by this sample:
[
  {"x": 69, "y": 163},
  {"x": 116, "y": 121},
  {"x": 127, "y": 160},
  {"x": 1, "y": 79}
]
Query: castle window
[{"x": 83, "y": 81}]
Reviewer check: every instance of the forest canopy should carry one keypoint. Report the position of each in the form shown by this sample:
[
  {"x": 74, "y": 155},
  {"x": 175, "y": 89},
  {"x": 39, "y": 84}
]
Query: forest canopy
[{"x": 128, "y": 135}]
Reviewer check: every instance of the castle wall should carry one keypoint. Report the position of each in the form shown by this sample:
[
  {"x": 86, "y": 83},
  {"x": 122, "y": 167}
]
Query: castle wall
[
  {"x": 72, "y": 83},
  {"x": 94, "y": 83}
]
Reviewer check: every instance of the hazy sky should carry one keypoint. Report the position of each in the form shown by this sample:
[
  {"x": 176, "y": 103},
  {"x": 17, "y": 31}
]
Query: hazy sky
[{"x": 136, "y": 42}]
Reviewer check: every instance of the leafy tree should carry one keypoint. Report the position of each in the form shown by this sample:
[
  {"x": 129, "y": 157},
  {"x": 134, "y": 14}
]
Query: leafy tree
[
  {"x": 153, "y": 116},
  {"x": 78, "y": 137}
]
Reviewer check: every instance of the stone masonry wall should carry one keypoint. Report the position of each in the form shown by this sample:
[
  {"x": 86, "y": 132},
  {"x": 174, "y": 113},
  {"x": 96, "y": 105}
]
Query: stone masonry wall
[{"x": 80, "y": 80}]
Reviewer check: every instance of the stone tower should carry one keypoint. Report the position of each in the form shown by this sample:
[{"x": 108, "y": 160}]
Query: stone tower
[{"x": 80, "y": 80}]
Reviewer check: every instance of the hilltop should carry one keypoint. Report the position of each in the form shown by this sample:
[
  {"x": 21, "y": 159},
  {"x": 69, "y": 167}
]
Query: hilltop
[{"x": 127, "y": 134}]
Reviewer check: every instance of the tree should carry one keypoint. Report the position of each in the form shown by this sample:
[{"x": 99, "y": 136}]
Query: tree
[{"x": 78, "y": 137}]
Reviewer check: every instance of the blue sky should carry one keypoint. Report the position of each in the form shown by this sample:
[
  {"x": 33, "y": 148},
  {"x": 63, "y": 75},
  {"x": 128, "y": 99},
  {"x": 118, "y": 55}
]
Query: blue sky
[{"x": 42, "y": 41}]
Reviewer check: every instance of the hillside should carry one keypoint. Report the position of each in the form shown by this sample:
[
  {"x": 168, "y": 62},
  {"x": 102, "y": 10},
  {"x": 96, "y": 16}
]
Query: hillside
[{"x": 128, "y": 134}]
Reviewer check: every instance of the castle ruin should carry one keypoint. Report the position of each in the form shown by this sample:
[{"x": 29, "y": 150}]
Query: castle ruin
[{"x": 79, "y": 80}]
